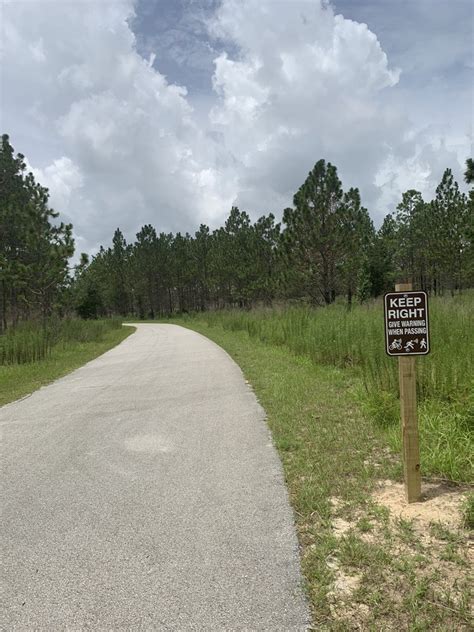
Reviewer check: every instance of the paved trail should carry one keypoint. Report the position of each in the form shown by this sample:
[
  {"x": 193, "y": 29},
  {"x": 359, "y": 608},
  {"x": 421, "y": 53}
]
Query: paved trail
[{"x": 142, "y": 492}]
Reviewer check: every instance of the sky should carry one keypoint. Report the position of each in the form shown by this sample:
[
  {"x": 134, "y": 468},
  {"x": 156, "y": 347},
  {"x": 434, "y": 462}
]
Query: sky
[{"x": 171, "y": 111}]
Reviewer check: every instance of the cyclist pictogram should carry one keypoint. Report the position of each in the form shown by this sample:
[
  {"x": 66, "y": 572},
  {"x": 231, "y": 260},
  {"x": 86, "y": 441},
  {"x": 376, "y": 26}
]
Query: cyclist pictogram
[{"x": 396, "y": 345}]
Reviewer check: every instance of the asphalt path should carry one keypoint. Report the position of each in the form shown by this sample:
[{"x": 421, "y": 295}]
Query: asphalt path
[{"x": 143, "y": 492}]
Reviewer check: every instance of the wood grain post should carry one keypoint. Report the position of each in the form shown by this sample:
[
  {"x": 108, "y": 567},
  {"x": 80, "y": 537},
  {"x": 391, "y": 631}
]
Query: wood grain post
[{"x": 411, "y": 447}]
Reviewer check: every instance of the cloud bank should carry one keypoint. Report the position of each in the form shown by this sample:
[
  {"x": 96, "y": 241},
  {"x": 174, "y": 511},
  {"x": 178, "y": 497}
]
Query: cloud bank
[{"x": 119, "y": 144}]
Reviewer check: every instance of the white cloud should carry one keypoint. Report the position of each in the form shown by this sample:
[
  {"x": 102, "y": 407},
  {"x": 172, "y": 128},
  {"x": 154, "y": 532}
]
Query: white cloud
[
  {"x": 62, "y": 178},
  {"x": 309, "y": 84},
  {"x": 131, "y": 151},
  {"x": 119, "y": 145}
]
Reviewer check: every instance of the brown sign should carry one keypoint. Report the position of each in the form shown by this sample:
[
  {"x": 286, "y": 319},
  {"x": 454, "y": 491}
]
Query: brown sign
[{"x": 406, "y": 323}]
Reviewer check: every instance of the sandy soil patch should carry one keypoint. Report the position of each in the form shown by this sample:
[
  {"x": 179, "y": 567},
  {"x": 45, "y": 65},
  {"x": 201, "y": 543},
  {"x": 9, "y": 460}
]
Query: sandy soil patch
[{"x": 441, "y": 502}]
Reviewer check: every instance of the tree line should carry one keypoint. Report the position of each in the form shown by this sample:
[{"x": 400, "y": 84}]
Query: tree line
[
  {"x": 34, "y": 246},
  {"x": 326, "y": 246}
]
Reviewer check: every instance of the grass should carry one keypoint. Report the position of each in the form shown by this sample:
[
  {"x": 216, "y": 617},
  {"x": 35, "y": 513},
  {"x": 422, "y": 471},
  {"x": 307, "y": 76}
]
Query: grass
[
  {"x": 468, "y": 512},
  {"x": 34, "y": 341},
  {"x": 353, "y": 340},
  {"x": 362, "y": 569},
  {"x": 66, "y": 347}
]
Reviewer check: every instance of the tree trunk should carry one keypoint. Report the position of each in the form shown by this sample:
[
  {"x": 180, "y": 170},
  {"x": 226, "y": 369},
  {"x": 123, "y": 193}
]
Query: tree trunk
[
  {"x": 14, "y": 308},
  {"x": 3, "y": 323}
]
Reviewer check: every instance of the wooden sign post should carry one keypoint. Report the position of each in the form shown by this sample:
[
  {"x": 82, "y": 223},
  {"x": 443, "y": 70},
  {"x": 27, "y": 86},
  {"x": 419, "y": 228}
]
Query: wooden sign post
[
  {"x": 406, "y": 336},
  {"x": 409, "y": 419}
]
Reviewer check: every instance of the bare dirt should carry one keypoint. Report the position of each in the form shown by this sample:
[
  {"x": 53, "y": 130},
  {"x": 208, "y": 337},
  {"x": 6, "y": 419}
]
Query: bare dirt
[
  {"x": 428, "y": 552},
  {"x": 441, "y": 502}
]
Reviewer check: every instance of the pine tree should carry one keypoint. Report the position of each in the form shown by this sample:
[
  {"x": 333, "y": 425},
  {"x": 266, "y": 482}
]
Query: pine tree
[
  {"x": 356, "y": 233},
  {"x": 469, "y": 173},
  {"x": 182, "y": 270},
  {"x": 468, "y": 247},
  {"x": 266, "y": 258},
  {"x": 34, "y": 247},
  {"x": 144, "y": 266},
  {"x": 449, "y": 217},
  {"x": 119, "y": 260},
  {"x": 380, "y": 265},
  {"x": 201, "y": 247},
  {"x": 311, "y": 236}
]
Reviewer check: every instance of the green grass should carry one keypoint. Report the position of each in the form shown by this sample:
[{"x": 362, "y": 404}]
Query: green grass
[
  {"x": 333, "y": 455},
  {"x": 468, "y": 512},
  {"x": 34, "y": 341},
  {"x": 354, "y": 341},
  {"x": 78, "y": 343}
]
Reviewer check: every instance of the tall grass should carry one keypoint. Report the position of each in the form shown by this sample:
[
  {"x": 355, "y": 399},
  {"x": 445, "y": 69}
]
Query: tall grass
[
  {"x": 355, "y": 338},
  {"x": 337, "y": 336},
  {"x": 33, "y": 342}
]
